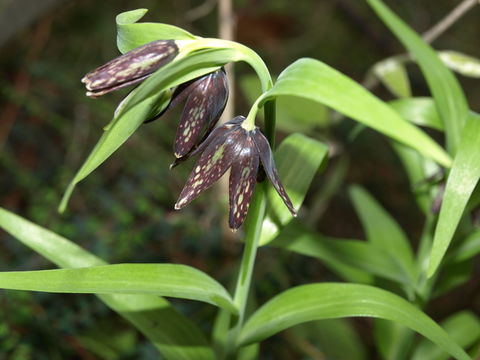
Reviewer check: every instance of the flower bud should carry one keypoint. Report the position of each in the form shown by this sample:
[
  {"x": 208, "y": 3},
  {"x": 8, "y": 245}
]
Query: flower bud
[{"x": 130, "y": 68}]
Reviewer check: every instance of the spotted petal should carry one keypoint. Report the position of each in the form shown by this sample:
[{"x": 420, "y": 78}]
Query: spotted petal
[
  {"x": 214, "y": 162},
  {"x": 206, "y": 101},
  {"x": 219, "y": 132},
  {"x": 268, "y": 163},
  {"x": 243, "y": 177},
  {"x": 130, "y": 68}
]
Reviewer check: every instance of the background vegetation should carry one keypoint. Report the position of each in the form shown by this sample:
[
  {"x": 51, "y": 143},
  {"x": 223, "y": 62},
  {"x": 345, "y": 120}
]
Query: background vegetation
[{"x": 124, "y": 213}]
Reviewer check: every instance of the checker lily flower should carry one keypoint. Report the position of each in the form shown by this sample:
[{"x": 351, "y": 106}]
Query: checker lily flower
[
  {"x": 233, "y": 146},
  {"x": 130, "y": 68},
  {"x": 206, "y": 98}
]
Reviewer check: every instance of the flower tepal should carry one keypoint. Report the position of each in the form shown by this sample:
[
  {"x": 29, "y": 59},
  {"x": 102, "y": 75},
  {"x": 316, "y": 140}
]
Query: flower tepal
[
  {"x": 233, "y": 146},
  {"x": 206, "y": 98},
  {"x": 130, "y": 68}
]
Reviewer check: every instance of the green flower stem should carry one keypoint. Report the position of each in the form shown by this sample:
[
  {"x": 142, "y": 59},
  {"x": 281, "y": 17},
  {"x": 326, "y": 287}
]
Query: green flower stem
[
  {"x": 255, "y": 61},
  {"x": 254, "y": 226}
]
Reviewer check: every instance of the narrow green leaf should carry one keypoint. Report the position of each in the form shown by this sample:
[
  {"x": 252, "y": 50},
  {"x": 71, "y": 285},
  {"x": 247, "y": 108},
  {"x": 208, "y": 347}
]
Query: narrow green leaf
[
  {"x": 419, "y": 170},
  {"x": 449, "y": 97},
  {"x": 312, "y": 79},
  {"x": 335, "y": 338},
  {"x": 461, "y": 182},
  {"x": 350, "y": 259},
  {"x": 175, "y": 336},
  {"x": 392, "y": 339},
  {"x": 171, "y": 280},
  {"x": 463, "y": 327},
  {"x": 334, "y": 300},
  {"x": 420, "y": 111},
  {"x": 298, "y": 159},
  {"x": 461, "y": 63},
  {"x": 131, "y": 34},
  {"x": 468, "y": 248},
  {"x": 393, "y": 75},
  {"x": 383, "y": 232}
]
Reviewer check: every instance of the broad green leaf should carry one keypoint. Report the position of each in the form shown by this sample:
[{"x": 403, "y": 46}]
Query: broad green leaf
[
  {"x": 383, "y": 232},
  {"x": 314, "y": 80},
  {"x": 335, "y": 338},
  {"x": 298, "y": 159},
  {"x": 171, "y": 280},
  {"x": 131, "y": 34},
  {"x": 335, "y": 300},
  {"x": 461, "y": 63},
  {"x": 420, "y": 111},
  {"x": 446, "y": 91},
  {"x": 175, "y": 336},
  {"x": 463, "y": 327},
  {"x": 461, "y": 182},
  {"x": 393, "y": 75}
]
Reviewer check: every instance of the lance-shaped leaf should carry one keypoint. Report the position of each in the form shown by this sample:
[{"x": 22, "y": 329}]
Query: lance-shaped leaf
[
  {"x": 461, "y": 63},
  {"x": 155, "y": 279},
  {"x": 130, "y": 68},
  {"x": 419, "y": 110},
  {"x": 463, "y": 327},
  {"x": 383, "y": 232},
  {"x": 312, "y": 79},
  {"x": 447, "y": 93},
  {"x": 393, "y": 75},
  {"x": 335, "y": 300},
  {"x": 461, "y": 182},
  {"x": 131, "y": 35},
  {"x": 175, "y": 336},
  {"x": 298, "y": 158}
]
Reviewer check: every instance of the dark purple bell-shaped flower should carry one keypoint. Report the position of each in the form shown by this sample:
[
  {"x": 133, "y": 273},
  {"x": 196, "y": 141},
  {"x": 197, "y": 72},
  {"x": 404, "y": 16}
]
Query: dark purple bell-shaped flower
[
  {"x": 206, "y": 98},
  {"x": 130, "y": 68},
  {"x": 232, "y": 146}
]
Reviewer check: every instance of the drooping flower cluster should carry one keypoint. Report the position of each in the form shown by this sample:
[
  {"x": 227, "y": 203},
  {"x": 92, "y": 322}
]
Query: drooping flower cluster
[{"x": 229, "y": 146}]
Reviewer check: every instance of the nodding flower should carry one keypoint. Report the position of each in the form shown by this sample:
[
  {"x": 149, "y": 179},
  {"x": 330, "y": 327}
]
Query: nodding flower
[
  {"x": 233, "y": 146},
  {"x": 205, "y": 97},
  {"x": 130, "y": 68}
]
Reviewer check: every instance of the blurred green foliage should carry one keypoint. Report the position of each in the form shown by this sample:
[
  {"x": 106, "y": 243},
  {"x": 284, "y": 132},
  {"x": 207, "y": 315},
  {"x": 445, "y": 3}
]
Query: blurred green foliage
[{"x": 124, "y": 213}]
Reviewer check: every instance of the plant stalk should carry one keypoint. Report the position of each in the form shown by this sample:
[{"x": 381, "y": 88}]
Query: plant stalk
[{"x": 254, "y": 226}]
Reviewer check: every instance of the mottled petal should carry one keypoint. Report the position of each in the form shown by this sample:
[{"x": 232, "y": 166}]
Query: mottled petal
[
  {"x": 214, "y": 162},
  {"x": 130, "y": 68},
  {"x": 206, "y": 101},
  {"x": 219, "y": 132},
  {"x": 268, "y": 163},
  {"x": 243, "y": 176}
]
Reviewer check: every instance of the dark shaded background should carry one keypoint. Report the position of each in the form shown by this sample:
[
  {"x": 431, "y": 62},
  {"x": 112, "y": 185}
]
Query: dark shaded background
[{"x": 124, "y": 211}]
